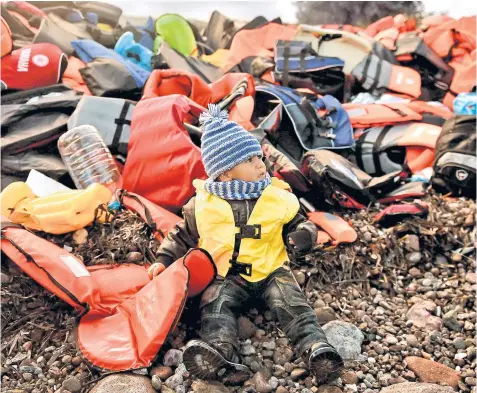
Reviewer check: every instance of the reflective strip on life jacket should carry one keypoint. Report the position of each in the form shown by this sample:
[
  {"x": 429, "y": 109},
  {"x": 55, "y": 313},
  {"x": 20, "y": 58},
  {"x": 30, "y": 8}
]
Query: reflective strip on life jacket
[
  {"x": 418, "y": 141},
  {"x": 375, "y": 74}
]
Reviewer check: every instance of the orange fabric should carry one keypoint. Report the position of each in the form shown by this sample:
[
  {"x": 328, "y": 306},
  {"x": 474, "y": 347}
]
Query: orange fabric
[
  {"x": 7, "y": 44},
  {"x": 404, "y": 57},
  {"x": 128, "y": 316},
  {"x": 434, "y": 20},
  {"x": 167, "y": 82},
  {"x": 420, "y": 134},
  {"x": 382, "y": 24},
  {"x": 423, "y": 107},
  {"x": 463, "y": 82},
  {"x": 50, "y": 263},
  {"x": 405, "y": 80},
  {"x": 418, "y": 159},
  {"x": 404, "y": 24},
  {"x": 388, "y": 37},
  {"x": 267, "y": 76},
  {"x": 115, "y": 284},
  {"x": 257, "y": 42},
  {"x": 399, "y": 20},
  {"x": 72, "y": 77},
  {"x": 409, "y": 25},
  {"x": 441, "y": 38},
  {"x": 339, "y": 230},
  {"x": 133, "y": 334},
  {"x": 323, "y": 237},
  {"x": 162, "y": 160},
  {"x": 375, "y": 115}
]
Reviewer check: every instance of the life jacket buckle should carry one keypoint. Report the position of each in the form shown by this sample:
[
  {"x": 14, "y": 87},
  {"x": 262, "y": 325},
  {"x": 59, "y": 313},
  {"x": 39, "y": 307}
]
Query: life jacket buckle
[
  {"x": 241, "y": 268},
  {"x": 250, "y": 231}
]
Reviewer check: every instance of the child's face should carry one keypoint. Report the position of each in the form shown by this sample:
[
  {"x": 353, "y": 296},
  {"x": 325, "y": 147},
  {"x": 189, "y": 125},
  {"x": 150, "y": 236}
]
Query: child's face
[{"x": 251, "y": 170}]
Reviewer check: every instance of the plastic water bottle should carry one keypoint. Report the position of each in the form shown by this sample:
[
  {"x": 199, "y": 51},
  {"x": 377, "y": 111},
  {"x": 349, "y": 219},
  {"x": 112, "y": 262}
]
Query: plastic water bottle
[
  {"x": 465, "y": 104},
  {"x": 88, "y": 159}
]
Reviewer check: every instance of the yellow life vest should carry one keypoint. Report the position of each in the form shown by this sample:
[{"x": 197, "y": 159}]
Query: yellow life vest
[{"x": 216, "y": 226}]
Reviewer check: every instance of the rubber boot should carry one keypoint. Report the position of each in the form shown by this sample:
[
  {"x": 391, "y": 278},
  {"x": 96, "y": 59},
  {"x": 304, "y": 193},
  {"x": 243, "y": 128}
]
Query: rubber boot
[
  {"x": 324, "y": 362},
  {"x": 207, "y": 362}
]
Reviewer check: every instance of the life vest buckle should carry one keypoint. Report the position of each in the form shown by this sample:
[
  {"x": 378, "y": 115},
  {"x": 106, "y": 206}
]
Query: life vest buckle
[
  {"x": 253, "y": 231},
  {"x": 241, "y": 268}
]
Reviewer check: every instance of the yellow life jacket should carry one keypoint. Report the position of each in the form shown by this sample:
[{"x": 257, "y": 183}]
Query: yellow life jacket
[{"x": 217, "y": 231}]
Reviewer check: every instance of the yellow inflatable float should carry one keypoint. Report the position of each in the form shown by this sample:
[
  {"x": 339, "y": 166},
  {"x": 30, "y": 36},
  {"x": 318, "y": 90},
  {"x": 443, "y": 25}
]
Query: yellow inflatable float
[{"x": 58, "y": 213}]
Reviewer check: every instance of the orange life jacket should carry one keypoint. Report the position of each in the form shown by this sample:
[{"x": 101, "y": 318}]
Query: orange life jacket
[
  {"x": 463, "y": 82},
  {"x": 381, "y": 24},
  {"x": 423, "y": 107},
  {"x": 72, "y": 77},
  {"x": 388, "y": 37},
  {"x": 376, "y": 115},
  {"x": 167, "y": 82},
  {"x": 257, "y": 42},
  {"x": 417, "y": 140},
  {"x": 452, "y": 35},
  {"x": 125, "y": 317}
]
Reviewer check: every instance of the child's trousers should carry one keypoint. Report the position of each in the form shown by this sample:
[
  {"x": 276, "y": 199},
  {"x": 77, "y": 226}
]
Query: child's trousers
[{"x": 223, "y": 299}]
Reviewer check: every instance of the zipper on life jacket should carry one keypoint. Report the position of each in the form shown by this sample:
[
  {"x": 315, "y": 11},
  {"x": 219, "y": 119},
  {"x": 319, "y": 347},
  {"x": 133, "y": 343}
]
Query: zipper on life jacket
[{"x": 248, "y": 212}]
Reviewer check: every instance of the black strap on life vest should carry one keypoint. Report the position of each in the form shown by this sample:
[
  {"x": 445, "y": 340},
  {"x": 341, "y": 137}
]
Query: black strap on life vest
[
  {"x": 286, "y": 58},
  {"x": 376, "y": 76},
  {"x": 245, "y": 232},
  {"x": 377, "y": 150},
  {"x": 365, "y": 70},
  {"x": 120, "y": 122}
]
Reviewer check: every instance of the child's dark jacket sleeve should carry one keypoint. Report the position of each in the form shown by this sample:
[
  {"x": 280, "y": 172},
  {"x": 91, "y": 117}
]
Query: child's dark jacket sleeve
[
  {"x": 181, "y": 238},
  {"x": 303, "y": 232}
]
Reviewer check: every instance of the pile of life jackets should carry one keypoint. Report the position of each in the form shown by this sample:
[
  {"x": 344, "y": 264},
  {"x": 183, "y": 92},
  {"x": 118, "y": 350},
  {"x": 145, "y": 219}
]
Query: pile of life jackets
[{"x": 345, "y": 115}]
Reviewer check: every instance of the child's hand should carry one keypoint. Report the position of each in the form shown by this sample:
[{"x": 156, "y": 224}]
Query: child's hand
[
  {"x": 300, "y": 241},
  {"x": 155, "y": 269}
]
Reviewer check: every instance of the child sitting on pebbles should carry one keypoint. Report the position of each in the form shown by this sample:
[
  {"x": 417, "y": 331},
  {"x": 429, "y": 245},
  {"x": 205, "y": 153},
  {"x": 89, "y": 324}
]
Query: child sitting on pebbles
[{"x": 245, "y": 220}]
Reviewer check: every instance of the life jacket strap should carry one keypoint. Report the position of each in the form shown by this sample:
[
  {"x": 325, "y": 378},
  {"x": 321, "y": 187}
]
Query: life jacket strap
[{"x": 245, "y": 232}]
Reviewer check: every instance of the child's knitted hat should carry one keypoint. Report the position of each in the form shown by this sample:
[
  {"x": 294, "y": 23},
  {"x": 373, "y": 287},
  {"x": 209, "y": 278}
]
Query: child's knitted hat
[{"x": 225, "y": 143}]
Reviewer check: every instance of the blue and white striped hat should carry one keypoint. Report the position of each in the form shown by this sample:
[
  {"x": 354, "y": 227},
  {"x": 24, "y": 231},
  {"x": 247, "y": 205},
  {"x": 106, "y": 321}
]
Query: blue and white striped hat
[{"x": 225, "y": 143}]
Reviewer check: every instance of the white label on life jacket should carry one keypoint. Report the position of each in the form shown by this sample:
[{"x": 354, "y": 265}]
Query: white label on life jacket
[
  {"x": 425, "y": 130},
  {"x": 399, "y": 78},
  {"x": 77, "y": 268},
  {"x": 23, "y": 60},
  {"x": 357, "y": 112}
]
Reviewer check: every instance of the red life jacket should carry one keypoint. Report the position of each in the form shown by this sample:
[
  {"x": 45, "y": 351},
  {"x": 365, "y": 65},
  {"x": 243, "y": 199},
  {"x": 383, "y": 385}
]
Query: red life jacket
[
  {"x": 162, "y": 160},
  {"x": 33, "y": 66}
]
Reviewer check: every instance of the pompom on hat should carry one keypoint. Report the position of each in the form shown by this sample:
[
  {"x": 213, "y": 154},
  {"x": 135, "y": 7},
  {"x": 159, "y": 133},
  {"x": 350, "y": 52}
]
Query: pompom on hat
[{"x": 225, "y": 144}]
